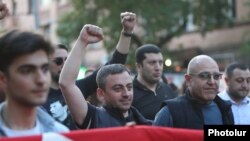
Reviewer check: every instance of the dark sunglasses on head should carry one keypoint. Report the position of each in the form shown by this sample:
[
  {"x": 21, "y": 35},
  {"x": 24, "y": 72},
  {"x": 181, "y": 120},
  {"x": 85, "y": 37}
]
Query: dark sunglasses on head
[
  {"x": 207, "y": 75},
  {"x": 59, "y": 60}
]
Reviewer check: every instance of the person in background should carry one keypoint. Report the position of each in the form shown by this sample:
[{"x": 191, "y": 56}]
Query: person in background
[
  {"x": 164, "y": 79},
  {"x": 183, "y": 87},
  {"x": 149, "y": 91},
  {"x": 200, "y": 105},
  {"x": 93, "y": 99},
  {"x": 3, "y": 13},
  {"x": 25, "y": 79},
  {"x": 56, "y": 63},
  {"x": 89, "y": 71},
  {"x": 2, "y": 95},
  {"x": 173, "y": 87},
  {"x": 237, "y": 78}
]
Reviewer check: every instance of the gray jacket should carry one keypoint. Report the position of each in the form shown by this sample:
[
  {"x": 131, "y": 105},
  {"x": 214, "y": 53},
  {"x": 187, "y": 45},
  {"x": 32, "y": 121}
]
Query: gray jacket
[{"x": 48, "y": 124}]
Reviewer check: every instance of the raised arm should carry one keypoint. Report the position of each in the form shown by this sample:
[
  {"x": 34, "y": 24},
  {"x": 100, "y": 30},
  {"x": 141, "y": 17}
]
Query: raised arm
[
  {"x": 72, "y": 94},
  {"x": 88, "y": 85},
  {"x": 128, "y": 21}
]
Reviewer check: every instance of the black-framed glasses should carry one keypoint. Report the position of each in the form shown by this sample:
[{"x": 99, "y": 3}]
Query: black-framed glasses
[
  {"x": 207, "y": 75},
  {"x": 59, "y": 60}
]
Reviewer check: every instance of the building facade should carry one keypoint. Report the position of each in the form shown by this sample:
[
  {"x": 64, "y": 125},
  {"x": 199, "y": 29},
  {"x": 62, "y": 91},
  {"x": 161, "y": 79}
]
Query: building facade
[
  {"x": 42, "y": 16},
  {"x": 225, "y": 45}
]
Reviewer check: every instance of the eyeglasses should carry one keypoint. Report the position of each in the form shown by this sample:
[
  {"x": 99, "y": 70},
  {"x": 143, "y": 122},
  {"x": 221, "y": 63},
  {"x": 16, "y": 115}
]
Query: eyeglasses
[
  {"x": 207, "y": 75},
  {"x": 59, "y": 60}
]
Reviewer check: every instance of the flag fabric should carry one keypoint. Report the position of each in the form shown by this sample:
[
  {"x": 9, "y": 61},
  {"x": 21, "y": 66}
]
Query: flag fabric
[{"x": 131, "y": 133}]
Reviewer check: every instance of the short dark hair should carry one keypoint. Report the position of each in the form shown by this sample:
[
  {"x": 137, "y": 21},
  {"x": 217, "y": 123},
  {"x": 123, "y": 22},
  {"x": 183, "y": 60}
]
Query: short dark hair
[
  {"x": 62, "y": 46},
  {"x": 109, "y": 70},
  {"x": 231, "y": 67},
  {"x": 147, "y": 48},
  {"x": 16, "y": 43}
]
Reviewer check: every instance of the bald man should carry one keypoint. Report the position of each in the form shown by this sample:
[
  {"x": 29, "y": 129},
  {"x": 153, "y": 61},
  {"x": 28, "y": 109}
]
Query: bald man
[{"x": 200, "y": 104}]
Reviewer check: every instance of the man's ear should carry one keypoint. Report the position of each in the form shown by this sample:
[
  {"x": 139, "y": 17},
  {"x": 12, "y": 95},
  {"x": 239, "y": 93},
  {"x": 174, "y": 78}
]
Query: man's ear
[
  {"x": 100, "y": 92},
  {"x": 138, "y": 66},
  {"x": 187, "y": 79}
]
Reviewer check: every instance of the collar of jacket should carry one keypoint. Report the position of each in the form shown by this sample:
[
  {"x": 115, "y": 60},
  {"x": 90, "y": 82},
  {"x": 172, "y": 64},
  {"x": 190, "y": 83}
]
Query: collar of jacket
[{"x": 136, "y": 83}]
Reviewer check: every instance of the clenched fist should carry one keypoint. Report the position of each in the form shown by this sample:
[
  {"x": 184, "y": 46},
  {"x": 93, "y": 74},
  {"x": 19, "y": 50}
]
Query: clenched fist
[
  {"x": 128, "y": 20},
  {"x": 91, "y": 34}
]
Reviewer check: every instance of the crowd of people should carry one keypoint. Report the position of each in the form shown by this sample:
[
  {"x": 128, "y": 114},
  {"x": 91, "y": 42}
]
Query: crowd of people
[{"x": 42, "y": 94}]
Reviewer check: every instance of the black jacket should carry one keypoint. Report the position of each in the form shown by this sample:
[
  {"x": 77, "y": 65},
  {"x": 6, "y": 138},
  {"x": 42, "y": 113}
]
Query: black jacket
[
  {"x": 103, "y": 117},
  {"x": 187, "y": 113}
]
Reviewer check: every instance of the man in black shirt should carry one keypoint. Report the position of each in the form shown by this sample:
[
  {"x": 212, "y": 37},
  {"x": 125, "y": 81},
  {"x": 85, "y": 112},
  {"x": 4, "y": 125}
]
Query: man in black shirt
[
  {"x": 87, "y": 85},
  {"x": 149, "y": 91},
  {"x": 114, "y": 85},
  {"x": 116, "y": 88}
]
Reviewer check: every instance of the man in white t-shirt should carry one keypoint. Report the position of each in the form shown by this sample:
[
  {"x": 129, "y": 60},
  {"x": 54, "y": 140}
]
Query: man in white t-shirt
[{"x": 25, "y": 79}]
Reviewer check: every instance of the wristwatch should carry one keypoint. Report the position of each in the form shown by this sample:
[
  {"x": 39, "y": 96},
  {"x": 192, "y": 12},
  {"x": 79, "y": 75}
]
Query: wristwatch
[{"x": 127, "y": 34}]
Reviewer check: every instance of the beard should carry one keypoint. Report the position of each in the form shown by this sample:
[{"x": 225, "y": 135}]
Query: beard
[{"x": 150, "y": 80}]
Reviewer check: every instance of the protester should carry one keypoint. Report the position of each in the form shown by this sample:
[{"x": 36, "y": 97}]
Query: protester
[
  {"x": 117, "y": 92},
  {"x": 149, "y": 91},
  {"x": 25, "y": 79},
  {"x": 237, "y": 78},
  {"x": 56, "y": 63},
  {"x": 3, "y": 13},
  {"x": 87, "y": 85},
  {"x": 200, "y": 104}
]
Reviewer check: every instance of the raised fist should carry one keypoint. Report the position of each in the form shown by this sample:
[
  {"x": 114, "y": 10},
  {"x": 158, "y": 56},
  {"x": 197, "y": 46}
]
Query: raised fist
[
  {"x": 128, "y": 20},
  {"x": 91, "y": 34}
]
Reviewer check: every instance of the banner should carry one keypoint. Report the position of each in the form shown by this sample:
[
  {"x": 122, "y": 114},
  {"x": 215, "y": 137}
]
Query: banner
[{"x": 131, "y": 133}]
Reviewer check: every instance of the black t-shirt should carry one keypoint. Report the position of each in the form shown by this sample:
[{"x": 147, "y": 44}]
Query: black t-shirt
[
  {"x": 57, "y": 108},
  {"x": 103, "y": 117},
  {"x": 149, "y": 103},
  {"x": 87, "y": 86}
]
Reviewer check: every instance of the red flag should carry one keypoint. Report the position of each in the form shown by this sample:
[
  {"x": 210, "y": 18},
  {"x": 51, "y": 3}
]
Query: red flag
[{"x": 132, "y": 133}]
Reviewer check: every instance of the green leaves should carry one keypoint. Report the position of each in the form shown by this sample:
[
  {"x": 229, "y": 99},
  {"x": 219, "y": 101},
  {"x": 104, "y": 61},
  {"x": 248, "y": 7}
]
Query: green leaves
[{"x": 158, "y": 20}]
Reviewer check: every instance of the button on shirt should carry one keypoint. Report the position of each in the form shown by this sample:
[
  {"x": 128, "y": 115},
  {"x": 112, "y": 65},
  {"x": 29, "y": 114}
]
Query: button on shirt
[{"x": 241, "y": 111}]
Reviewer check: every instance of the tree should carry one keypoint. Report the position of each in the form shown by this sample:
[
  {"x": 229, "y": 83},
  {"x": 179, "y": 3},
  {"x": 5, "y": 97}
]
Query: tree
[
  {"x": 245, "y": 49},
  {"x": 158, "y": 20}
]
